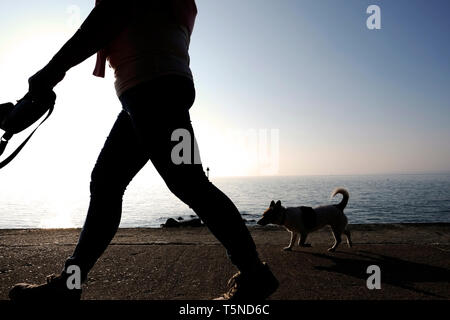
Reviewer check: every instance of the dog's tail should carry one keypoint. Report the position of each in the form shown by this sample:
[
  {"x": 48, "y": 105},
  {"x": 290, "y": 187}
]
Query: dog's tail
[{"x": 345, "y": 197}]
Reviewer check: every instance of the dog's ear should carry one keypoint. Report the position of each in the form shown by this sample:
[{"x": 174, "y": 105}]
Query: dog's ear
[
  {"x": 272, "y": 204},
  {"x": 278, "y": 204}
]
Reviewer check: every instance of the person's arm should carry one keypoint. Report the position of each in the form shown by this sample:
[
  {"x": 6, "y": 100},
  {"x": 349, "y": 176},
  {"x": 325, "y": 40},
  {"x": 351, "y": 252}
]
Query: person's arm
[{"x": 102, "y": 25}]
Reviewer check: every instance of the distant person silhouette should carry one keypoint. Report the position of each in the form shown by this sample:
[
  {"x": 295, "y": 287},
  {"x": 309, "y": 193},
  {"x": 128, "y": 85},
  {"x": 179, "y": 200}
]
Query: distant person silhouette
[{"x": 146, "y": 43}]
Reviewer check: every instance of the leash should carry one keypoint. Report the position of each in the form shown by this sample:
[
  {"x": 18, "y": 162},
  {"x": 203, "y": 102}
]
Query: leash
[{"x": 7, "y": 136}]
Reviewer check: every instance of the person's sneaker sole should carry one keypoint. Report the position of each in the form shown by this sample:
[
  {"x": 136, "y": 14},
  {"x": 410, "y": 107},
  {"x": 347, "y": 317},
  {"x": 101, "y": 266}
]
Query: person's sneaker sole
[{"x": 272, "y": 285}]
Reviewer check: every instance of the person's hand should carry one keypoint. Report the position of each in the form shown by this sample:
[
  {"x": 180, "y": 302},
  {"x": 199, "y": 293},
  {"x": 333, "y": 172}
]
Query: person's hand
[{"x": 43, "y": 82}]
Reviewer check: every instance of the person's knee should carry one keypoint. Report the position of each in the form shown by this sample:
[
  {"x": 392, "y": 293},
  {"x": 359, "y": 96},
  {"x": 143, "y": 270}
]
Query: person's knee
[
  {"x": 186, "y": 192},
  {"x": 103, "y": 184},
  {"x": 191, "y": 189}
]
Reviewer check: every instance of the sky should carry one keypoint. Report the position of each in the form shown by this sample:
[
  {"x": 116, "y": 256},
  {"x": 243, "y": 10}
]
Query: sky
[{"x": 291, "y": 87}]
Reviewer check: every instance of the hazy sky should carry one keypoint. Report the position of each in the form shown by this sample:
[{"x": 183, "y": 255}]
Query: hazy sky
[{"x": 341, "y": 98}]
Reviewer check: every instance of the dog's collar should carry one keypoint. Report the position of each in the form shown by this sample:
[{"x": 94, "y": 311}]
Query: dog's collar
[{"x": 283, "y": 219}]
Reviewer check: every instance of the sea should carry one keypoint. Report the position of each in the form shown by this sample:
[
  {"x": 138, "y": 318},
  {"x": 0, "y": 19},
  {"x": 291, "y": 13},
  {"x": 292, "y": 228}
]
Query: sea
[{"x": 395, "y": 198}]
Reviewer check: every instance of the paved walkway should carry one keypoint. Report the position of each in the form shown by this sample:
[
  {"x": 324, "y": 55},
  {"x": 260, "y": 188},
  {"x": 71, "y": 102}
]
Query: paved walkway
[{"x": 190, "y": 264}]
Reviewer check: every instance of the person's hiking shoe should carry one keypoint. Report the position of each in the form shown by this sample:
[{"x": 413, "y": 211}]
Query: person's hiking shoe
[
  {"x": 55, "y": 289},
  {"x": 253, "y": 286}
]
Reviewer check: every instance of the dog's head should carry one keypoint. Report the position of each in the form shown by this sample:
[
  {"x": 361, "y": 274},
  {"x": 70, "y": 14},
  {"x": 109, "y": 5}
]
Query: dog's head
[{"x": 273, "y": 214}]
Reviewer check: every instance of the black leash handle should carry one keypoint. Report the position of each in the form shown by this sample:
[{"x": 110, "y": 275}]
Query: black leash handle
[{"x": 7, "y": 136}]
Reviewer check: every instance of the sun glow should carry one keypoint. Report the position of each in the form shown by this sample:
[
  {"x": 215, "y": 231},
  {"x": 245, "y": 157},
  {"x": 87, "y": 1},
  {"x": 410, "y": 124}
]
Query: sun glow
[{"x": 236, "y": 151}]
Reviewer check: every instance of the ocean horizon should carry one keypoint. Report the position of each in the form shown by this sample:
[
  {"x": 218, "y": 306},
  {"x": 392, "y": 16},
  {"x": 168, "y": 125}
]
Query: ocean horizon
[{"x": 388, "y": 198}]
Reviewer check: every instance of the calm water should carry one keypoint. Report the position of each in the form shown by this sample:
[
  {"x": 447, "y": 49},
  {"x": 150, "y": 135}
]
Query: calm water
[{"x": 373, "y": 199}]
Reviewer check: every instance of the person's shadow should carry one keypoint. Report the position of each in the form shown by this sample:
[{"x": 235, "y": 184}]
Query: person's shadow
[{"x": 395, "y": 271}]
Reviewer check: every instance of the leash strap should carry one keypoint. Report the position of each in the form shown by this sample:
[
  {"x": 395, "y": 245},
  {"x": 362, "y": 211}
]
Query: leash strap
[{"x": 6, "y": 137}]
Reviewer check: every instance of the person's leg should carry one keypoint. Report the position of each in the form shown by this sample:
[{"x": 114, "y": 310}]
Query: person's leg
[
  {"x": 119, "y": 161},
  {"x": 156, "y": 112}
]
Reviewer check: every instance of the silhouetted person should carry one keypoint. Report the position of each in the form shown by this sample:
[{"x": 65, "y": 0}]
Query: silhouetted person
[{"x": 146, "y": 43}]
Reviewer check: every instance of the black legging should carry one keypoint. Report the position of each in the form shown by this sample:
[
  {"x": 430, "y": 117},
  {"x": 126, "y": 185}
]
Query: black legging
[{"x": 143, "y": 131}]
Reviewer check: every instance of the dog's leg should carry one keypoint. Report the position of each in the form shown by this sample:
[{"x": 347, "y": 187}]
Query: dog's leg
[
  {"x": 294, "y": 236},
  {"x": 302, "y": 240},
  {"x": 337, "y": 240},
  {"x": 349, "y": 237}
]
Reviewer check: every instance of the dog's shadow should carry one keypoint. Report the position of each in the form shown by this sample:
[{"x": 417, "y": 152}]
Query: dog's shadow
[{"x": 395, "y": 271}]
